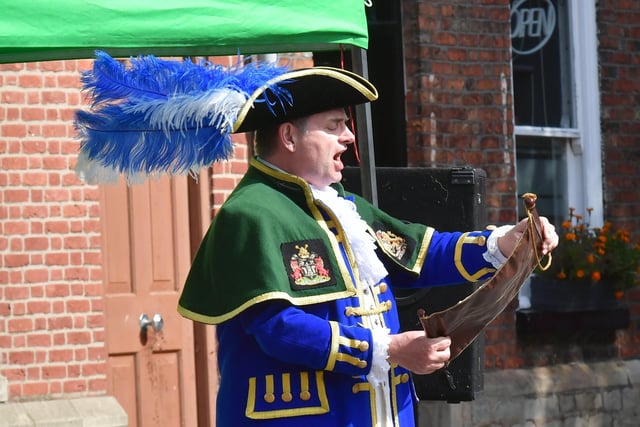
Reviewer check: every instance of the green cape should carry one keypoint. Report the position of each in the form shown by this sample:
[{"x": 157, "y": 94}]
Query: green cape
[{"x": 270, "y": 240}]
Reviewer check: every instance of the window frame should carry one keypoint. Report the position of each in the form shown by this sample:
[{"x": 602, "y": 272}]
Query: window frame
[{"x": 584, "y": 150}]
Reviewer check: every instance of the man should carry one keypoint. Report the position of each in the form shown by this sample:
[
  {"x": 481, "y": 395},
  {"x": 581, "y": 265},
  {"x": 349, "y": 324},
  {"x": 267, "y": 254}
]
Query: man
[{"x": 298, "y": 275}]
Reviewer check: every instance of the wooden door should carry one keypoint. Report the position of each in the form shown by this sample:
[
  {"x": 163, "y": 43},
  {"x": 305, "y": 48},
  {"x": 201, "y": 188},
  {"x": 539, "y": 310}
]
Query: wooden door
[{"x": 146, "y": 258}]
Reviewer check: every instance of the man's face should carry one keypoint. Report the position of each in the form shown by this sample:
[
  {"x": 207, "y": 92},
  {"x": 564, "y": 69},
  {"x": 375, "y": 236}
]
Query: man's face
[{"x": 320, "y": 140}]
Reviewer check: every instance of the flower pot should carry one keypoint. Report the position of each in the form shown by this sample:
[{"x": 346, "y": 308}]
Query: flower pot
[{"x": 565, "y": 295}]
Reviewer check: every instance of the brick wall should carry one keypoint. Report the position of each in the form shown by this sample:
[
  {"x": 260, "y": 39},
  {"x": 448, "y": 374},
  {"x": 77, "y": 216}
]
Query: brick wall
[
  {"x": 458, "y": 98},
  {"x": 619, "y": 59},
  {"x": 51, "y": 308},
  {"x": 51, "y": 304},
  {"x": 459, "y": 111},
  {"x": 226, "y": 175}
]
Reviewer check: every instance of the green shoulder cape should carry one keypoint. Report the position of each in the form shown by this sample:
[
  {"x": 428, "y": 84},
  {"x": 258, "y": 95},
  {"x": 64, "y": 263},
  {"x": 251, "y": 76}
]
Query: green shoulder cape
[{"x": 272, "y": 240}]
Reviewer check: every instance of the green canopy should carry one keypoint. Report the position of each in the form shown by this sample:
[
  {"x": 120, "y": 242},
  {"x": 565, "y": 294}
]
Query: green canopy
[{"x": 39, "y": 30}]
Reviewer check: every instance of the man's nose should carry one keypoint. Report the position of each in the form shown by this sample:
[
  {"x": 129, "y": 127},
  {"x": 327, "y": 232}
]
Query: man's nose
[{"x": 347, "y": 136}]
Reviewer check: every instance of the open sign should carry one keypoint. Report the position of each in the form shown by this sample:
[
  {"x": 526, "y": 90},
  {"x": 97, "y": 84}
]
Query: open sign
[{"x": 532, "y": 25}]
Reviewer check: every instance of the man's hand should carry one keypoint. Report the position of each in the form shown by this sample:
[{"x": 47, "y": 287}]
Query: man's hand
[
  {"x": 507, "y": 243},
  {"x": 414, "y": 351}
]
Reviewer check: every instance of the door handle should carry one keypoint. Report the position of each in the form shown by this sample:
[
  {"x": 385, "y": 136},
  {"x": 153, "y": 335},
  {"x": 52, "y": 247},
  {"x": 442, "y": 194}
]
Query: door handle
[{"x": 156, "y": 323}]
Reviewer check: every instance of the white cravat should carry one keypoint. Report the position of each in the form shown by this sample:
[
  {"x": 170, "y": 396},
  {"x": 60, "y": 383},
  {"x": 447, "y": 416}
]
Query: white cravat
[
  {"x": 362, "y": 243},
  {"x": 372, "y": 271}
]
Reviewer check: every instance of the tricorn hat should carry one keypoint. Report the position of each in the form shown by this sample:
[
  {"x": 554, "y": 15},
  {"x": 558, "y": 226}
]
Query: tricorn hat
[
  {"x": 309, "y": 91},
  {"x": 156, "y": 116}
]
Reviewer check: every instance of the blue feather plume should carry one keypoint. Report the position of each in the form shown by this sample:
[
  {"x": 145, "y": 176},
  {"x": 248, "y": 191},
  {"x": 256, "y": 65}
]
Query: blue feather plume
[{"x": 157, "y": 116}]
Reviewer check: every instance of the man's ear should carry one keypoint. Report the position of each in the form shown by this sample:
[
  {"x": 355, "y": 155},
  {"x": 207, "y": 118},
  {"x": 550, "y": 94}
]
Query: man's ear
[{"x": 287, "y": 133}]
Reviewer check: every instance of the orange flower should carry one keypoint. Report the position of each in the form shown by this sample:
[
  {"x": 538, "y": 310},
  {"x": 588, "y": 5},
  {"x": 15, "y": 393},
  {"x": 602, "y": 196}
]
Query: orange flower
[
  {"x": 595, "y": 255},
  {"x": 618, "y": 294}
]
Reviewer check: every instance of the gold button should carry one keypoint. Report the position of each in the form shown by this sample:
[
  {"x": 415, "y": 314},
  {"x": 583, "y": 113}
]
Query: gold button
[
  {"x": 269, "y": 397},
  {"x": 490, "y": 227},
  {"x": 355, "y": 389},
  {"x": 383, "y": 287},
  {"x": 363, "y": 346},
  {"x": 362, "y": 364},
  {"x": 305, "y": 395},
  {"x": 389, "y": 304},
  {"x": 482, "y": 241},
  {"x": 287, "y": 397},
  {"x": 404, "y": 378}
]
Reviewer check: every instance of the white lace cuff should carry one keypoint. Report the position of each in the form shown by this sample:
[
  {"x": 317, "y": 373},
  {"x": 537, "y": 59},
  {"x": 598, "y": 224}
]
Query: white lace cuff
[
  {"x": 379, "y": 365},
  {"x": 493, "y": 254}
]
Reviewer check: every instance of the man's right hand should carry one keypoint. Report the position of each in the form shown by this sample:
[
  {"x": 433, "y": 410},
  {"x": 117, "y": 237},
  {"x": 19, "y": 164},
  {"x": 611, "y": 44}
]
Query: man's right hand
[{"x": 421, "y": 355}]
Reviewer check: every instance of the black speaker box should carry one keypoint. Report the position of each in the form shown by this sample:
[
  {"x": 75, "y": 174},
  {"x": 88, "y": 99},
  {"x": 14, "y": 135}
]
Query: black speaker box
[{"x": 448, "y": 199}]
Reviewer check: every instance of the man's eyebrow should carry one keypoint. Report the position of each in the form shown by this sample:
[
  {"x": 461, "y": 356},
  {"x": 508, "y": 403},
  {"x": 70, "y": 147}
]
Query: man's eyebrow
[{"x": 339, "y": 119}]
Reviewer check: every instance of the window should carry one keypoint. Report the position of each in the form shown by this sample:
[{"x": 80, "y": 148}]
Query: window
[
  {"x": 556, "y": 106},
  {"x": 541, "y": 167}
]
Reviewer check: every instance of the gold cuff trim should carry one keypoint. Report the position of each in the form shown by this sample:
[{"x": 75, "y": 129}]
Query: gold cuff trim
[
  {"x": 352, "y": 343},
  {"x": 335, "y": 345},
  {"x": 341, "y": 357},
  {"x": 476, "y": 240}
]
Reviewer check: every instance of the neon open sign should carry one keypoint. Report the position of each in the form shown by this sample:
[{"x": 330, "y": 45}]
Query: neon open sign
[{"x": 532, "y": 25}]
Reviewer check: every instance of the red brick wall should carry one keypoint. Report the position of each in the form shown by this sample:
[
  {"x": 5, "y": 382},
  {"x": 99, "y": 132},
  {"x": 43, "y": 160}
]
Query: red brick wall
[
  {"x": 619, "y": 60},
  {"x": 51, "y": 308},
  {"x": 226, "y": 175},
  {"x": 51, "y": 305},
  {"x": 459, "y": 111},
  {"x": 458, "y": 98}
]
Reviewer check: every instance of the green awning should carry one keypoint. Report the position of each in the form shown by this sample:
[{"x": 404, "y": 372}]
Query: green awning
[{"x": 39, "y": 30}]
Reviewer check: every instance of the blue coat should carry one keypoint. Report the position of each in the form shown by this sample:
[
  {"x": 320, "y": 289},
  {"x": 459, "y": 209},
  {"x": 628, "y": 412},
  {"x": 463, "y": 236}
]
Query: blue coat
[{"x": 277, "y": 277}]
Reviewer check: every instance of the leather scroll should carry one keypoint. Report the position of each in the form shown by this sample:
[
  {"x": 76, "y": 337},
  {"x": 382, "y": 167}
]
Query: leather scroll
[{"x": 465, "y": 320}]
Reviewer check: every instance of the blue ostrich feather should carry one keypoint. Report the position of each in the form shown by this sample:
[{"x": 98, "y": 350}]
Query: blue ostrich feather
[{"x": 157, "y": 116}]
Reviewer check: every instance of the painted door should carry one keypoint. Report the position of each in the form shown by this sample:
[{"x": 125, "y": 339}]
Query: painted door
[{"x": 146, "y": 258}]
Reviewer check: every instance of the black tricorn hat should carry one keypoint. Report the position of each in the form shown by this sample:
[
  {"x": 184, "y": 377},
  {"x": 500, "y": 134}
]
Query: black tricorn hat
[{"x": 300, "y": 93}]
